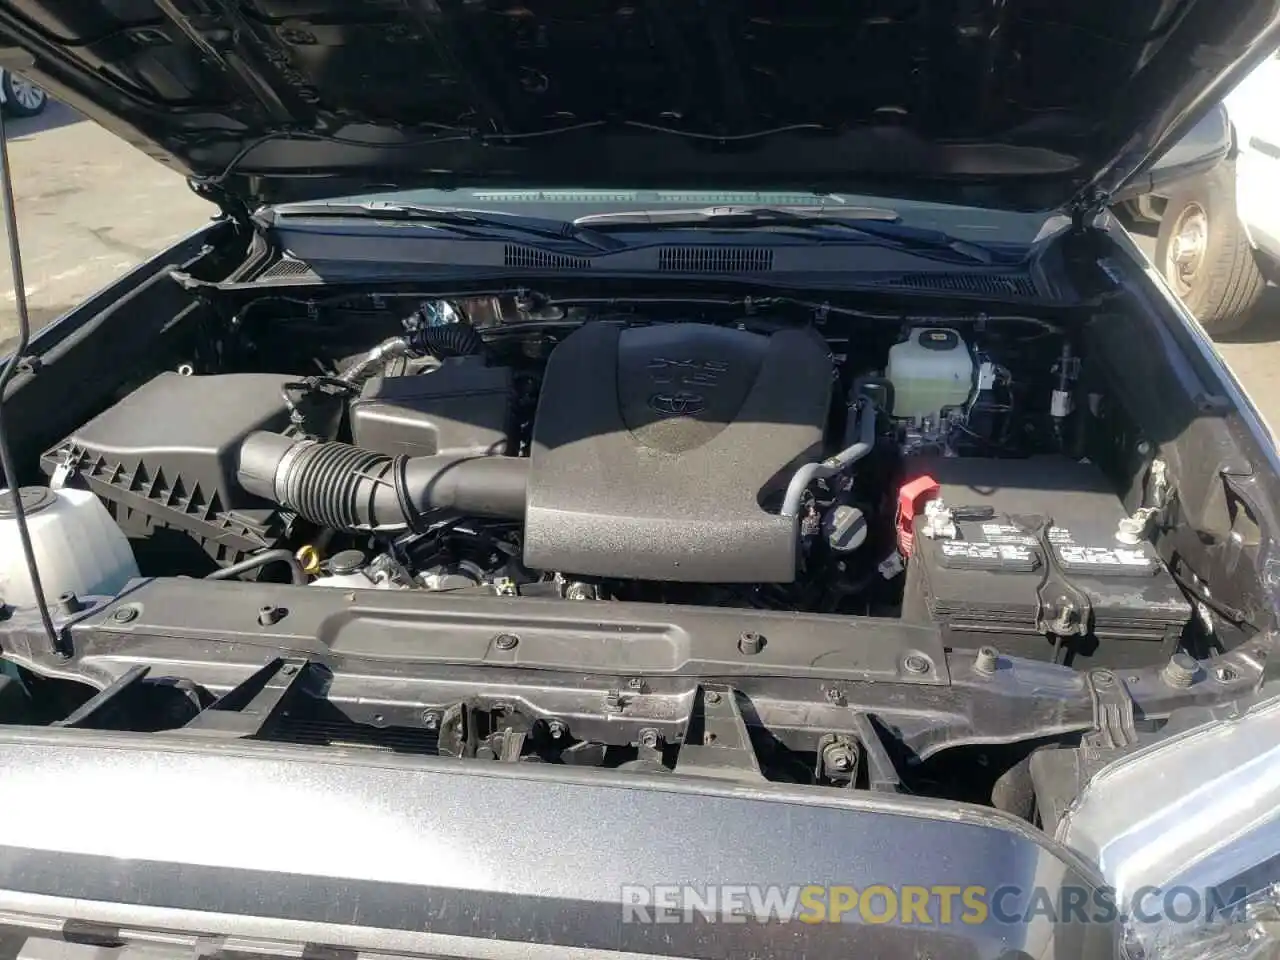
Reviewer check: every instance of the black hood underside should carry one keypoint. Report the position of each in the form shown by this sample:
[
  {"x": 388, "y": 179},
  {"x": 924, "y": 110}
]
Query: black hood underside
[{"x": 1019, "y": 103}]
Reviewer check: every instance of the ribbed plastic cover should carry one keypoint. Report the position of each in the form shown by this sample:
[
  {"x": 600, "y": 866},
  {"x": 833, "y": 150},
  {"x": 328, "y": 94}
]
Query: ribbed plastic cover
[{"x": 165, "y": 456}]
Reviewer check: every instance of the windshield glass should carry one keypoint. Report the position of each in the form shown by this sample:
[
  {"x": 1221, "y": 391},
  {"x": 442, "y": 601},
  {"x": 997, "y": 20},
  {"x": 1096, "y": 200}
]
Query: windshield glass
[{"x": 969, "y": 223}]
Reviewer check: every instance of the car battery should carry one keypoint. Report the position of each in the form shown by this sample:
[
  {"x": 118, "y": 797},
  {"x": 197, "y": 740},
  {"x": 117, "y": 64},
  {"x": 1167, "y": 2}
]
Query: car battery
[{"x": 1028, "y": 548}]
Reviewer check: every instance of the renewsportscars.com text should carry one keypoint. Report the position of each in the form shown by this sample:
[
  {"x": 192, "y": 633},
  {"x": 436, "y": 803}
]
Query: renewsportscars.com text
[{"x": 919, "y": 905}]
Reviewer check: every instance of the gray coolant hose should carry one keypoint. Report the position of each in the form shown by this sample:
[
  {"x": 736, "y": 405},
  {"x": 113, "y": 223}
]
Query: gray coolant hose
[
  {"x": 343, "y": 487},
  {"x": 821, "y": 469}
]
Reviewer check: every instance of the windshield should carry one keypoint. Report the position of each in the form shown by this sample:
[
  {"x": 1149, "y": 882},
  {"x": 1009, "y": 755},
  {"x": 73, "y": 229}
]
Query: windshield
[{"x": 970, "y": 223}]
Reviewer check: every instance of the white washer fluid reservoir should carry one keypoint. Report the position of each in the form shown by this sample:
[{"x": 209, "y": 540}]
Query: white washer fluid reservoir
[
  {"x": 78, "y": 547},
  {"x": 930, "y": 370}
]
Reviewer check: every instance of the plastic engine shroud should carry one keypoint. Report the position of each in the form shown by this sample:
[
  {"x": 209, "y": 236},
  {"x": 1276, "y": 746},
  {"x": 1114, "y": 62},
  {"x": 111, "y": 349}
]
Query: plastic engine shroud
[{"x": 654, "y": 449}]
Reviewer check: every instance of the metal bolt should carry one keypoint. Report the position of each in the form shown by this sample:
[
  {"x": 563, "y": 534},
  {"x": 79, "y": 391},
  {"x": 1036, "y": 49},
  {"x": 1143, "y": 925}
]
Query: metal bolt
[
  {"x": 750, "y": 643},
  {"x": 580, "y": 591},
  {"x": 1224, "y": 674},
  {"x": 557, "y": 729},
  {"x": 124, "y": 614},
  {"x": 713, "y": 696},
  {"x": 1144, "y": 447},
  {"x": 636, "y": 683},
  {"x": 1181, "y": 671},
  {"x": 838, "y": 757},
  {"x": 1103, "y": 679},
  {"x": 1066, "y": 617},
  {"x": 430, "y": 720},
  {"x": 185, "y": 369},
  {"x": 987, "y": 660},
  {"x": 649, "y": 738},
  {"x": 506, "y": 641},
  {"x": 269, "y": 614},
  {"x": 288, "y": 670},
  {"x": 69, "y": 603},
  {"x": 915, "y": 663},
  {"x": 835, "y": 695}
]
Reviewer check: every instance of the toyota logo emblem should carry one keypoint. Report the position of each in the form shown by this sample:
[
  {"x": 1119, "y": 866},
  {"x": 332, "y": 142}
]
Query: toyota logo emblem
[{"x": 677, "y": 404}]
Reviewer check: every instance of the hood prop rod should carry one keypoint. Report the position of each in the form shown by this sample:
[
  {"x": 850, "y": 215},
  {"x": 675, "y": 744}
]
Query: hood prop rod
[{"x": 6, "y": 375}]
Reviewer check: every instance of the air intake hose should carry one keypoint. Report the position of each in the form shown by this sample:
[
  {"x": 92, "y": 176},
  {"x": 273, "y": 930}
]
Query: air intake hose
[
  {"x": 451, "y": 340},
  {"x": 343, "y": 487}
]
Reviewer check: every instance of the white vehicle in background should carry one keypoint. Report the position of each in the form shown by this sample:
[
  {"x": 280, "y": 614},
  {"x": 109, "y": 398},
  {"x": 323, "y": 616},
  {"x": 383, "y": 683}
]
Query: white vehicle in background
[
  {"x": 1219, "y": 237},
  {"x": 19, "y": 97}
]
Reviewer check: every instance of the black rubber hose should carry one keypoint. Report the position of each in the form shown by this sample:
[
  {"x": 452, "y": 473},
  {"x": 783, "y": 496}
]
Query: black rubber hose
[
  {"x": 342, "y": 487},
  {"x": 297, "y": 575},
  {"x": 451, "y": 340}
]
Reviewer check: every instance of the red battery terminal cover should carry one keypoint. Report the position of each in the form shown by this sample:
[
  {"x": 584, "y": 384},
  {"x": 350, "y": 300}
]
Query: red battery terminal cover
[{"x": 912, "y": 496}]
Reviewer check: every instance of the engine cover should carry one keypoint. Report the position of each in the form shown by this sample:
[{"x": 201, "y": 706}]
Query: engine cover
[{"x": 655, "y": 449}]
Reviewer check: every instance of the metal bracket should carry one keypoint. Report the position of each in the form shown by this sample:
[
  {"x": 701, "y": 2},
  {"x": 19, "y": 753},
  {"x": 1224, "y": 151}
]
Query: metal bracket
[
  {"x": 1065, "y": 610},
  {"x": 716, "y": 740},
  {"x": 245, "y": 710},
  {"x": 1084, "y": 208},
  {"x": 1113, "y": 712},
  {"x": 95, "y": 713},
  {"x": 458, "y": 737},
  {"x": 882, "y": 775},
  {"x": 506, "y": 745}
]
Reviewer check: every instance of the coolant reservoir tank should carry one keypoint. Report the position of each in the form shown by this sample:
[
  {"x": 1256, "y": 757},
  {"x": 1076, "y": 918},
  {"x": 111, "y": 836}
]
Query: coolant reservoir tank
[
  {"x": 78, "y": 546},
  {"x": 930, "y": 370}
]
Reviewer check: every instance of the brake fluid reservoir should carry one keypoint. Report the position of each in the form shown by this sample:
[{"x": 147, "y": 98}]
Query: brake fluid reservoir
[
  {"x": 930, "y": 370},
  {"x": 78, "y": 547}
]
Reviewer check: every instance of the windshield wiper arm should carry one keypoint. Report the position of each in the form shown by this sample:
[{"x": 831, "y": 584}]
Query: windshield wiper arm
[
  {"x": 475, "y": 220},
  {"x": 876, "y": 223}
]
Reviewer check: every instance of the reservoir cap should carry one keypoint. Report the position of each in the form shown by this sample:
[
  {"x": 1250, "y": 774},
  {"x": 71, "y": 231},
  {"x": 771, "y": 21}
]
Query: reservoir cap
[{"x": 34, "y": 499}]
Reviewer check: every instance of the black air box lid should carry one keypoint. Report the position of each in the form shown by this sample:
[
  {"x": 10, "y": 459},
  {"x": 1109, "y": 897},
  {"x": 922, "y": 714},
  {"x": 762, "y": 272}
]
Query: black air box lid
[
  {"x": 990, "y": 573},
  {"x": 166, "y": 456}
]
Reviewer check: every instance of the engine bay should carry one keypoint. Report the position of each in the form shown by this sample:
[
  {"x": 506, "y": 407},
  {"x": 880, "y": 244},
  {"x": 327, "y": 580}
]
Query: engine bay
[
  {"x": 882, "y": 542},
  {"x": 958, "y": 470}
]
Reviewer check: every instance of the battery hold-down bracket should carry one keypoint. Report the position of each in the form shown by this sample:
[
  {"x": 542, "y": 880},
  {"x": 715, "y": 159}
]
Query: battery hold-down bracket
[{"x": 1065, "y": 610}]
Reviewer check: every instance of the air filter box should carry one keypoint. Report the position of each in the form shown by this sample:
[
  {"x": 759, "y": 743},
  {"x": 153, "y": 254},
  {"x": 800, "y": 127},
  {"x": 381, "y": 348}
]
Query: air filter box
[
  {"x": 1027, "y": 537},
  {"x": 165, "y": 457}
]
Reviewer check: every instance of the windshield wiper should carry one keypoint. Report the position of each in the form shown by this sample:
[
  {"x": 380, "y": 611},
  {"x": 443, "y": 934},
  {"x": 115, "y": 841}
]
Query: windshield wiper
[
  {"x": 881, "y": 225},
  {"x": 472, "y": 222}
]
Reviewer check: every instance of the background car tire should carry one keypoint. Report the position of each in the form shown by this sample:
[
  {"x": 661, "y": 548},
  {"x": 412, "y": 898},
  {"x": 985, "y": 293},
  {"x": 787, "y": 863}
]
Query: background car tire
[
  {"x": 22, "y": 98},
  {"x": 1203, "y": 252}
]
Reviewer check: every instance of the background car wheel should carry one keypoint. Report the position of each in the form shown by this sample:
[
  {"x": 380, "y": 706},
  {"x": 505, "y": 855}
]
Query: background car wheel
[
  {"x": 1203, "y": 252},
  {"x": 22, "y": 98}
]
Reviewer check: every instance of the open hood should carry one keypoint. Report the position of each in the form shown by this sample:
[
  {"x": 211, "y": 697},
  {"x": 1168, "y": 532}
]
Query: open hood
[{"x": 1026, "y": 104}]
